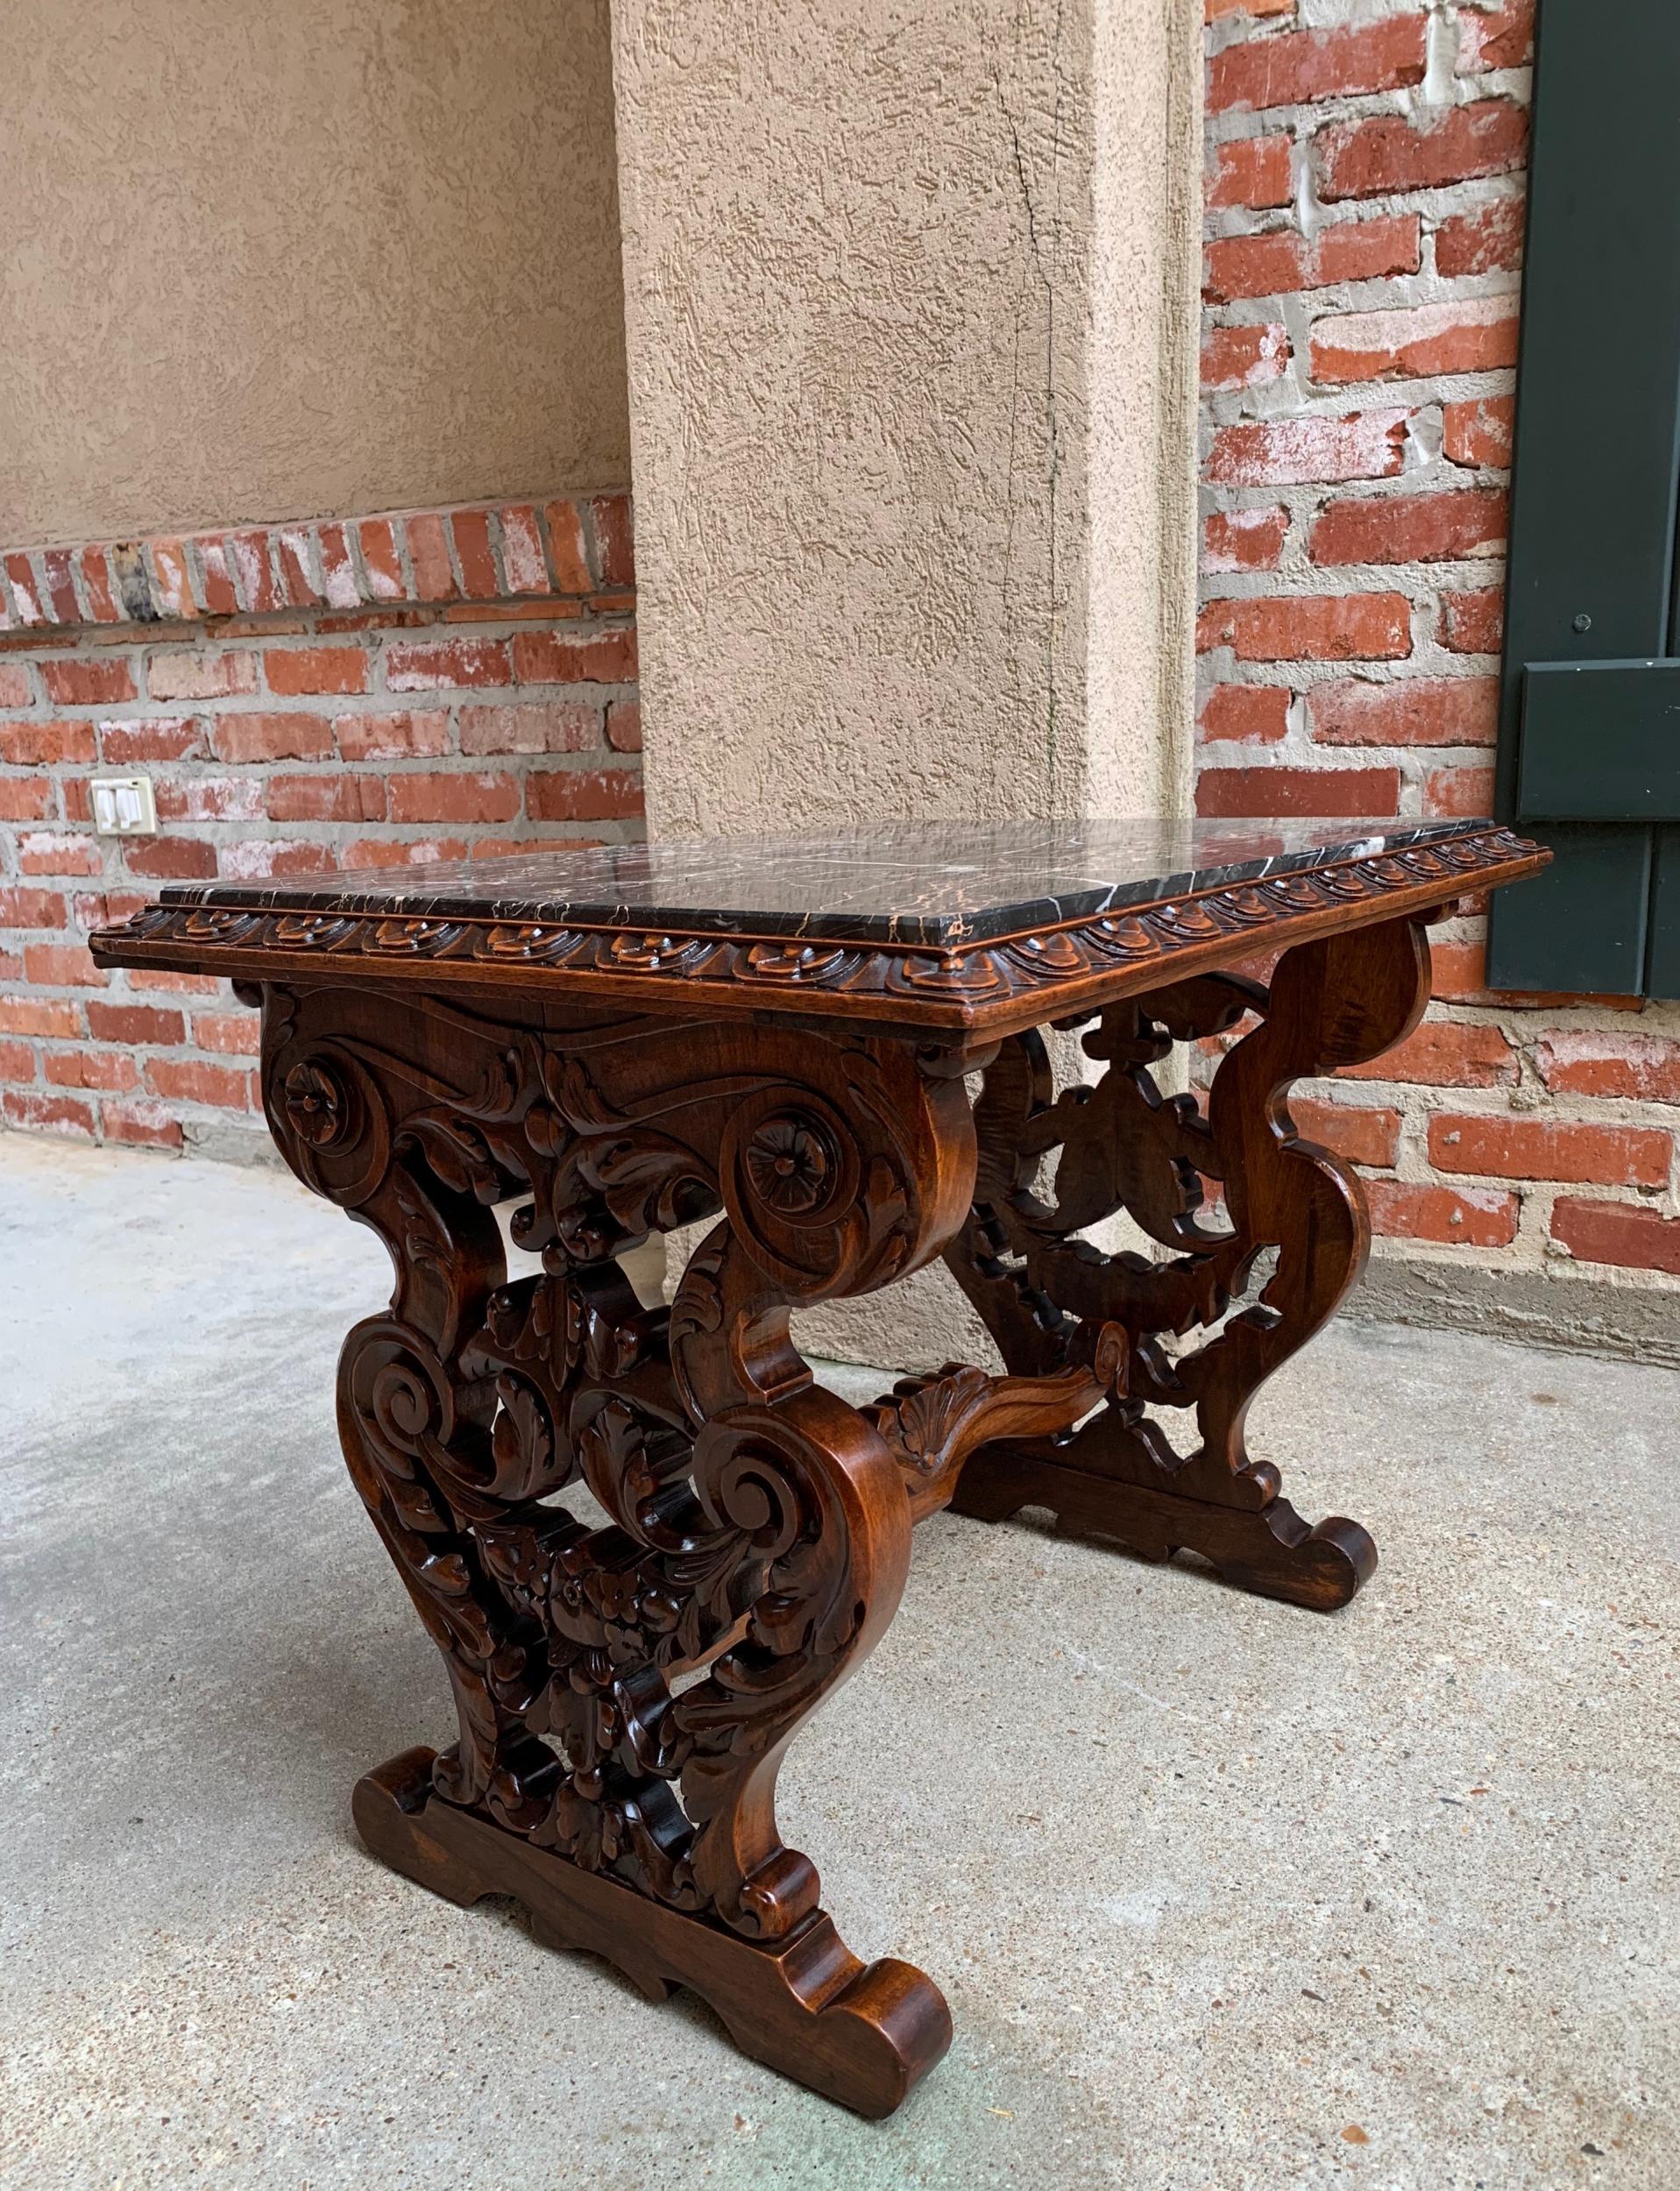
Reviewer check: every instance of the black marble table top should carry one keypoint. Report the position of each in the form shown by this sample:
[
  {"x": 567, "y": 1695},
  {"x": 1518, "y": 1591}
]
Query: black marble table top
[{"x": 932, "y": 882}]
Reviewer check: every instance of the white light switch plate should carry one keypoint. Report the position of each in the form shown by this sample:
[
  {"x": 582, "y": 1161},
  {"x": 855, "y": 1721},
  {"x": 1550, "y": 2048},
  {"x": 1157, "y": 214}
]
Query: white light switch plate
[{"x": 123, "y": 806}]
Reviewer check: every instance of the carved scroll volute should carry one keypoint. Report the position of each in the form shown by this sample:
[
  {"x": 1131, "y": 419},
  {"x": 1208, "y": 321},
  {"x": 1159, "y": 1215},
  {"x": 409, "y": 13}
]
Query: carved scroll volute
[
  {"x": 817, "y": 1488},
  {"x": 331, "y": 1120},
  {"x": 824, "y": 1199},
  {"x": 820, "y": 1205},
  {"x": 408, "y": 1416},
  {"x": 337, "y": 1123}
]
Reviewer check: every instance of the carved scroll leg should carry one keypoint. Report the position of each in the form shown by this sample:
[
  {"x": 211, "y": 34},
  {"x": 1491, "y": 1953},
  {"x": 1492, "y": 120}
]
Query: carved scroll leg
[
  {"x": 1340, "y": 1001},
  {"x": 735, "y": 1915},
  {"x": 862, "y": 2035},
  {"x": 1268, "y": 1548},
  {"x": 822, "y": 1492},
  {"x": 757, "y": 1534},
  {"x": 711, "y": 1899}
]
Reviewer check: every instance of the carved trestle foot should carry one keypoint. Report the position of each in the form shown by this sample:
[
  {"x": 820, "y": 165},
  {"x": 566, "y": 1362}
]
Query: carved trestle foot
[
  {"x": 957, "y": 1438},
  {"x": 1268, "y": 1549},
  {"x": 860, "y": 2033}
]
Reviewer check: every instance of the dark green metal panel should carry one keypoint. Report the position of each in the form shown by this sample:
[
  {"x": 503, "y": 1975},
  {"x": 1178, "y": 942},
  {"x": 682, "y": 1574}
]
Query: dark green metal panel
[
  {"x": 1591, "y": 912},
  {"x": 1662, "y": 965},
  {"x": 1597, "y": 467},
  {"x": 1600, "y": 742}
]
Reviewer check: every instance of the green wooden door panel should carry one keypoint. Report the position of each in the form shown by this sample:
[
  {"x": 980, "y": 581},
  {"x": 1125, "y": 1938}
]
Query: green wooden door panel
[
  {"x": 1597, "y": 476},
  {"x": 1600, "y": 742}
]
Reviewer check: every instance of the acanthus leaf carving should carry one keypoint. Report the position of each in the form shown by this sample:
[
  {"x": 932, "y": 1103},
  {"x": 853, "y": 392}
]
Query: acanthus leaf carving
[
  {"x": 1207, "y": 1318},
  {"x": 745, "y": 1518}
]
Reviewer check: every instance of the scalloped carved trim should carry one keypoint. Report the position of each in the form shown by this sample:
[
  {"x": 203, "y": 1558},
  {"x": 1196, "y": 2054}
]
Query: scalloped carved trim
[{"x": 999, "y": 986}]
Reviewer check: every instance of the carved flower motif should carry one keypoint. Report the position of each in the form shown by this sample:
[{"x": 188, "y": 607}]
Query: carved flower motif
[
  {"x": 791, "y": 1164},
  {"x": 316, "y": 1106}
]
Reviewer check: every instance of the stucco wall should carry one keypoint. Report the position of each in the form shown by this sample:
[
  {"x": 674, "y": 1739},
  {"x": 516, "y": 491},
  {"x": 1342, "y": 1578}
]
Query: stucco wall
[
  {"x": 273, "y": 261},
  {"x": 911, "y": 340},
  {"x": 1145, "y": 390}
]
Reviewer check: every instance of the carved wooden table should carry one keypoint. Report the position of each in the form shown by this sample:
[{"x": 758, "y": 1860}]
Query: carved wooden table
[{"x": 780, "y": 1036}]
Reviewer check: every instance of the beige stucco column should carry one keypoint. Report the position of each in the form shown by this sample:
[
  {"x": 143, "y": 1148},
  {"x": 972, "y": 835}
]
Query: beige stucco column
[{"x": 911, "y": 305}]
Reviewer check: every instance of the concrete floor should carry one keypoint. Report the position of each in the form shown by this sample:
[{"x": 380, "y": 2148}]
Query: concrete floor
[{"x": 1222, "y": 1894}]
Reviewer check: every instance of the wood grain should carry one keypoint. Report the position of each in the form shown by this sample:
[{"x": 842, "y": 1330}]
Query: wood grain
[
  {"x": 1122, "y": 1147},
  {"x": 627, "y": 1688}
]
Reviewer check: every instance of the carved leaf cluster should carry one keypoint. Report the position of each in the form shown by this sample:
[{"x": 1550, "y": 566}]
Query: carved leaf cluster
[{"x": 723, "y": 1554}]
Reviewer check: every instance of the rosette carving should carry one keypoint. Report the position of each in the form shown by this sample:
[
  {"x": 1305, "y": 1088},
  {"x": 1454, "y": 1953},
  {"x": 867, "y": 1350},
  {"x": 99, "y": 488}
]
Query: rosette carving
[
  {"x": 757, "y": 1531},
  {"x": 325, "y": 1109},
  {"x": 840, "y": 1192},
  {"x": 318, "y": 1105},
  {"x": 793, "y": 1163}
]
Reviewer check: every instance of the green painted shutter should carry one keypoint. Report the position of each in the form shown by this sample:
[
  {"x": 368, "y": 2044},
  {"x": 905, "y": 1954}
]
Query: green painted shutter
[{"x": 1590, "y": 725}]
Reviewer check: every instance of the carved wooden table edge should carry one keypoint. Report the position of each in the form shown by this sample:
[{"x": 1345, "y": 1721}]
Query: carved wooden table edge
[
  {"x": 625, "y": 1694},
  {"x": 994, "y": 987}
]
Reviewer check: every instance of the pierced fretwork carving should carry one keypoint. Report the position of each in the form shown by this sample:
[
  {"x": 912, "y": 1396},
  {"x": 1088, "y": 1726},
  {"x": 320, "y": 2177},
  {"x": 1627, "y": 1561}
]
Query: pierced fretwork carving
[
  {"x": 646, "y": 1544},
  {"x": 756, "y": 1530},
  {"x": 1122, "y": 1147}
]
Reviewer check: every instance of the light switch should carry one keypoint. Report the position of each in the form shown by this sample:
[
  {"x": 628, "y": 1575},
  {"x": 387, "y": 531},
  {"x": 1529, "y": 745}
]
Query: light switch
[{"x": 123, "y": 806}]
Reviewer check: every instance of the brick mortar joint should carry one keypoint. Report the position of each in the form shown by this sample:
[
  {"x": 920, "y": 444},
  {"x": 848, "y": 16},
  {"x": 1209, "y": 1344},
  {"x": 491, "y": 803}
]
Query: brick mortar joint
[
  {"x": 1263, "y": 354},
  {"x": 37, "y": 582}
]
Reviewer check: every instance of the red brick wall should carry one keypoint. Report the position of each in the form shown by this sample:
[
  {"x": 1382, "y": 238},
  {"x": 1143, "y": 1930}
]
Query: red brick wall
[
  {"x": 402, "y": 687},
  {"x": 1364, "y": 239}
]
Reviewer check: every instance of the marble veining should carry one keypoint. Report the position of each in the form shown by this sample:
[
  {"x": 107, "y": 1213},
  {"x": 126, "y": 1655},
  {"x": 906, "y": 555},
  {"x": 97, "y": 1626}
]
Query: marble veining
[{"x": 926, "y": 883}]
